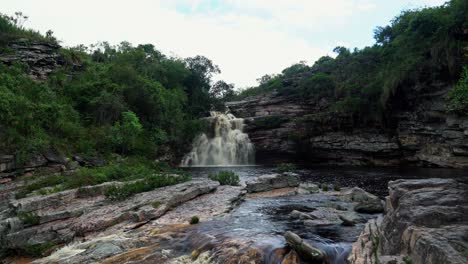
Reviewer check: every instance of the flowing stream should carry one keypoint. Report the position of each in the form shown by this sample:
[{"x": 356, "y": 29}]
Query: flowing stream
[
  {"x": 223, "y": 144},
  {"x": 260, "y": 223}
]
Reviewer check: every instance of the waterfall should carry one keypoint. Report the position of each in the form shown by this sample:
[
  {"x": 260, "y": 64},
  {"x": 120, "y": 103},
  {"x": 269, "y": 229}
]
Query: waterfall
[{"x": 223, "y": 144}]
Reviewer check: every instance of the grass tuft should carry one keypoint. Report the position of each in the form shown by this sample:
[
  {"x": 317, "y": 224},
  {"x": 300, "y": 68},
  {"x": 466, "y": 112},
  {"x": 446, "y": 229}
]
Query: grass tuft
[{"x": 226, "y": 178}]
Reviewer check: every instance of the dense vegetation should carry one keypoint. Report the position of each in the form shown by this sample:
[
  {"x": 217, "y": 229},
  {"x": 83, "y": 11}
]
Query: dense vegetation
[
  {"x": 104, "y": 99},
  {"x": 134, "y": 100},
  {"x": 420, "y": 47}
]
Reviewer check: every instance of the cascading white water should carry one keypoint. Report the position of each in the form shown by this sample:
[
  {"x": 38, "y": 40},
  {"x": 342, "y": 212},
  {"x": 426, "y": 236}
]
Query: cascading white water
[{"x": 223, "y": 144}]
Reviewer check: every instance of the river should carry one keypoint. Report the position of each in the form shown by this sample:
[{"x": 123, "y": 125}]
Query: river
[{"x": 261, "y": 222}]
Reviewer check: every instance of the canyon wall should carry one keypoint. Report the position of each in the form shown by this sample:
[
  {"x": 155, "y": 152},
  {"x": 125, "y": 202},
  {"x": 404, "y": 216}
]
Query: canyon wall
[{"x": 419, "y": 131}]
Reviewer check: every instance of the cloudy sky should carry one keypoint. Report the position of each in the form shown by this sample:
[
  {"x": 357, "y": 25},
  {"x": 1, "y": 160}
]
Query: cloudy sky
[{"x": 246, "y": 38}]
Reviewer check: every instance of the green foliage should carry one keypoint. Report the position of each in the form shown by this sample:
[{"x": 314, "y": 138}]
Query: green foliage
[
  {"x": 407, "y": 260},
  {"x": 349, "y": 105},
  {"x": 125, "y": 170},
  {"x": 38, "y": 250},
  {"x": 29, "y": 218},
  {"x": 11, "y": 29},
  {"x": 324, "y": 187},
  {"x": 286, "y": 167},
  {"x": 124, "y": 99},
  {"x": 458, "y": 96},
  {"x": 194, "y": 220},
  {"x": 419, "y": 47},
  {"x": 317, "y": 86},
  {"x": 156, "y": 204},
  {"x": 146, "y": 184},
  {"x": 336, "y": 187},
  {"x": 226, "y": 178},
  {"x": 125, "y": 135}
]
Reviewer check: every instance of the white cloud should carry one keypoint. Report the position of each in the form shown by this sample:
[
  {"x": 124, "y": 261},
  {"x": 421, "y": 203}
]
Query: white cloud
[{"x": 246, "y": 38}]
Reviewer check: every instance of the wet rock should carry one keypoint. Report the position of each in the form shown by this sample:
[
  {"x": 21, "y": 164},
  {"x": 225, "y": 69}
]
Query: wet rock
[
  {"x": 205, "y": 206},
  {"x": 370, "y": 207},
  {"x": 272, "y": 181},
  {"x": 291, "y": 258},
  {"x": 303, "y": 249},
  {"x": 347, "y": 221},
  {"x": 357, "y": 194},
  {"x": 366, "y": 202},
  {"x": 300, "y": 215}
]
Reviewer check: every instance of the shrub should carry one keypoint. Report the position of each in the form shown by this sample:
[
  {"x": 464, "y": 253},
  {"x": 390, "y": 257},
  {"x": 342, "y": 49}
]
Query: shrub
[
  {"x": 29, "y": 218},
  {"x": 156, "y": 204},
  {"x": 126, "y": 170},
  {"x": 336, "y": 187},
  {"x": 194, "y": 220},
  {"x": 325, "y": 187},
  {"x": 286, "y": 167},
  {"x": 459, "y": 95},
  {"x": 407, "y": 260},
  {"x": 226, "y": 178},
  {"x": 38, "y": 250}
]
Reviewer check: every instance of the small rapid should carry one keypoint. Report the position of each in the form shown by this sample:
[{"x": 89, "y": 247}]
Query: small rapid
[{"x": 223, "y": 144}]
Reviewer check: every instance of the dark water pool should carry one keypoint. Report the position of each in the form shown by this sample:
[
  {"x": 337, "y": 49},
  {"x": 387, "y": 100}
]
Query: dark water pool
[
  {"x": 263, "y": 221},
  {"x": 373, "y": 180}
]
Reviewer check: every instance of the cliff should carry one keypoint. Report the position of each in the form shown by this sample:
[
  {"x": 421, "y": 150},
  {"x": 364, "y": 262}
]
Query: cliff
[
  {"x": 41, "y": 57},
  {"x": 419, "y": 131}
]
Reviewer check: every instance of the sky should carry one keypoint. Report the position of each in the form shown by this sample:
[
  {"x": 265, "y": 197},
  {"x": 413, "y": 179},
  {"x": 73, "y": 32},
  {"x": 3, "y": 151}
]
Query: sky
[{"x": 246, "y": 38}]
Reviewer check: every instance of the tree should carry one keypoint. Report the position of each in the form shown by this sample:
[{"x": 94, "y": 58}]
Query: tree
[
  {"x": 264, "y": 79},
  {"x": 222, "y": 90},
  {"x": 125, "y": 135}
]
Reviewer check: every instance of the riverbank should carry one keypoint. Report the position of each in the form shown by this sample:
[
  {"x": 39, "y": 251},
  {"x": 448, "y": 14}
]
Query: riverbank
[{"x": 232, "y": 225}]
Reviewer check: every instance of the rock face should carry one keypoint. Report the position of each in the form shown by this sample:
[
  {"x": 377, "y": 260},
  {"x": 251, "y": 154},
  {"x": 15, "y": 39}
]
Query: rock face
[
  {"x": 42, "y": 57},
  {"x": 274, "y": 181},
  {"x": 425, "y": 222},
  {"x": 60, "y": 217},
  {"x": 421, "y": 133}
]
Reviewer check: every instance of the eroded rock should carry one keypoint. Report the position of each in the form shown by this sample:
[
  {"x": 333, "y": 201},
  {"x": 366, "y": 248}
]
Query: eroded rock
[
  {"x": 272, "y": 181},
  {"x": 303, "y": 249},
  {"x": 425, "y": 222}
]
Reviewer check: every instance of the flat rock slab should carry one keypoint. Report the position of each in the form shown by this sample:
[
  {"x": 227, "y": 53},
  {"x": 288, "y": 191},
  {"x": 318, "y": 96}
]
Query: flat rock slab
[
  {"x": 66, "y": 215},
  {"x": 272, "y": 181},
  {"x": 205, "y": 206}
]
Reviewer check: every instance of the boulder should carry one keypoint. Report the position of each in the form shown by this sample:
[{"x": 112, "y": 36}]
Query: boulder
[
  {"x": 425, "y": 221},
  {"x": 303, "y": 249},
  {"x": 307, "y": 187},
  {"x": 370, "y": 207},
  {"x": 347, "y": 221},
  {"x": 366, "y": 202},
  {"x": 295, "y": 214},
  {"x": 53, "y": 156},
  {"x": 273, "y": 181}
]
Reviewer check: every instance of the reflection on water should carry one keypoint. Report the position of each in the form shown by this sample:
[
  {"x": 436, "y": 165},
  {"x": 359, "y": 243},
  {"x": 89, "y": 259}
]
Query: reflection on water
[
  {"x": 261, "y": 222},
  {"x": 373, "y": 180}
]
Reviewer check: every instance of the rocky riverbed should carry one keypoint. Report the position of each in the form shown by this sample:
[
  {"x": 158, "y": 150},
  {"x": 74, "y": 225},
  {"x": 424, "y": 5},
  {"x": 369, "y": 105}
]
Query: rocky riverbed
[{"x": 242, "y": 224}]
